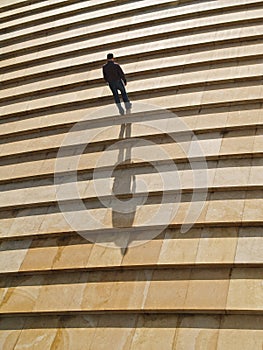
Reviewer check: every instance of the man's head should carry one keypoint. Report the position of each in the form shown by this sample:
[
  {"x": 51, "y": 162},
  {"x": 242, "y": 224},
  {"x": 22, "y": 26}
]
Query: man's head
[{"x": 110, "y": 57}]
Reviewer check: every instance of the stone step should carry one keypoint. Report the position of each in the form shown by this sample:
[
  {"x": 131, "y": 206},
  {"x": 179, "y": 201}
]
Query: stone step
[
  {"x": 72, "y": 14},
  {"x": 136, "y": 49},
  {"x": 194, "y": 278},
  {"x": 221, "y": 208},
  {"x": 184, "y": 73},
  {"x": 213, "y": 118},
  {"x": 254, "y": 181},
  {"x": 229, "y": 148},
  {"x": 133, "y": 331},
  {"x": 173, "y": 290},
  {"x": 120, "y": 25},
  {"x": 72, "y": 22},
  {"x": 223, "y": 175},
  {"x": 14, "y": 43},
  {"x": 44, "y": 12},
  {"x": 8, "y": 5},
  {"x": 160, "y": 91},
  {"x": 114, "y": 131},
  {"x": 191, "y": 59},
  {"x": 209, "y": 247},
  {"x": 89, "y": 144},
  {"x": 31, "y": 8},
  {"x": 132, "y": 38}
]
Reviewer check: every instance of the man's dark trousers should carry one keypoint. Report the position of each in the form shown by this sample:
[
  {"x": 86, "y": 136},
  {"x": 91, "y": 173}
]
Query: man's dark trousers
[{"x": 118, "y": 85}]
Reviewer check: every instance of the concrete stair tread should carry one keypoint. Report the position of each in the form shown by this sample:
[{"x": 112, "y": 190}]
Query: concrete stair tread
[
  {"x": 227, "y": 179},
  {"x": 207, "y": 247},
  {"x": 181, "y": 11},
  {"x": 154, "y": 131},
  {"x": 45, "y": 168},
  {"x": 192, "y": 290},
  {"x": 223, "y": 209},
  {"x": 50, "y": 15},
  {"x": 27, "y": 9},
  {"x": 183, "y": 75},
  {"x": 122, "y": 25},
  {"x": 71, "y": 17},
  {"x": 205, "y": 94},
  {"x": 183, "y": 268},
  {"x": 140, "y": 49},
  {"x": 173, "y": 330},
  {"x": 196, "y": 119}
]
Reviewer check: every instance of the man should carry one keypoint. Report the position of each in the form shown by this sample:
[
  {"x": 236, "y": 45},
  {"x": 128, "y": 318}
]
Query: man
[{"x": 114, "y": 76}]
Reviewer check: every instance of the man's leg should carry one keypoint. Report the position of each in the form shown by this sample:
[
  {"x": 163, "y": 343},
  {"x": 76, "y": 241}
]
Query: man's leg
[
  {"x": 124, "y": 95},
  {"x": 114, "y": 90}
]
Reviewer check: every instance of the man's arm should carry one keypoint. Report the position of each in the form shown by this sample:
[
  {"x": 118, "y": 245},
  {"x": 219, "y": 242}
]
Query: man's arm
[
  {"x": 122, "y": 75},
  {"x": 104, "y": 74}
]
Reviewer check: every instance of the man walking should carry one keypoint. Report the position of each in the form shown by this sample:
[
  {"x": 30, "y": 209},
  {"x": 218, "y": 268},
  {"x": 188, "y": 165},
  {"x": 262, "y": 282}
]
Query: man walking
[{"x": 114, "y": 76}]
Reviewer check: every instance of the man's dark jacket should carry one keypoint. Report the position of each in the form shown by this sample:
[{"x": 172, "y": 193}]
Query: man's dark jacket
[{"x": 113, "y": 72}]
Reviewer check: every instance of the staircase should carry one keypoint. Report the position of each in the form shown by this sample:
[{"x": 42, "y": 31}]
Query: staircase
[{"x": 183, "y": 268}]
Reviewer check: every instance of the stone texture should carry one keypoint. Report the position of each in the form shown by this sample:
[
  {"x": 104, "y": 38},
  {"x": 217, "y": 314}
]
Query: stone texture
[
  {"x": 199, "y": 332},
  {"x": 191, "y": 277}
]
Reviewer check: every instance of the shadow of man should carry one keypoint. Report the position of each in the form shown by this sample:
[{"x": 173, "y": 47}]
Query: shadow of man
[{"x": 123, "y": 190}]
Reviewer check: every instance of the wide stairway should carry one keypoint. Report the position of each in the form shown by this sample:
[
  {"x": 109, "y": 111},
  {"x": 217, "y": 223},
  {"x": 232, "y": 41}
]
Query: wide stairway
[{"x": 141, "y": 231}]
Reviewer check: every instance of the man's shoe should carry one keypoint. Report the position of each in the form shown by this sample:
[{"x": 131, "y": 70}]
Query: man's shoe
[
  {"x": 121, "y": 111},
  {"x": 128, "y": 105}
]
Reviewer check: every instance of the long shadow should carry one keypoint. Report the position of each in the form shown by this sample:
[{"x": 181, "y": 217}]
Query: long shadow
[
  {"x": 50, "y": 152},
  {"x": 123, "y": 209}
]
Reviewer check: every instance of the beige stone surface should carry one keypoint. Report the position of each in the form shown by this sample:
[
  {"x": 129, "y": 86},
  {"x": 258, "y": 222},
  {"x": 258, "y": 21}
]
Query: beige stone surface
[
  {"x": 207, "y": 247},
  {"x": 244, "y": 333},
  {"x": 101, "y": 255},
  {"x": 217, "y": 246},
  {"x": 179, "y": 248},
  {"x": 42, "y": 337},
  {"x": 181, "y": 180},
  {"x": 207, "y": 289},
  {"x": 119, "y": 334},
  {"x": 154, "y": 332},
  {"x": 168, "y": 290},
  {"x": 77, "y": 332},
  {"x": 12, "y": 254},
  {"x": 245, "y": 290},
  {"x": 20, "y": 295},
  {"x": 147, "y": 253},
  {"x": 249, "y": 245},
  {"x": 234, "y": 118},
  {"x": 10, "y": 332},
  {"x": 148, "y": 84},
  {"x": 195, "y": 281},
  {"x": 232, "y": 172},
  {"x": 176, "y": 43},
  {"x": 225, "y": 208},
  {"x": 199, "y": 332},
  {"x": 253, "y": 209},
  {"x": 240, "y": 141},
  {"x": 39, "y": 256},
  {"x": 179, "y": 10},
  {"x": 255, "y": 177},
  {"x": 183, "y": 78}
]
